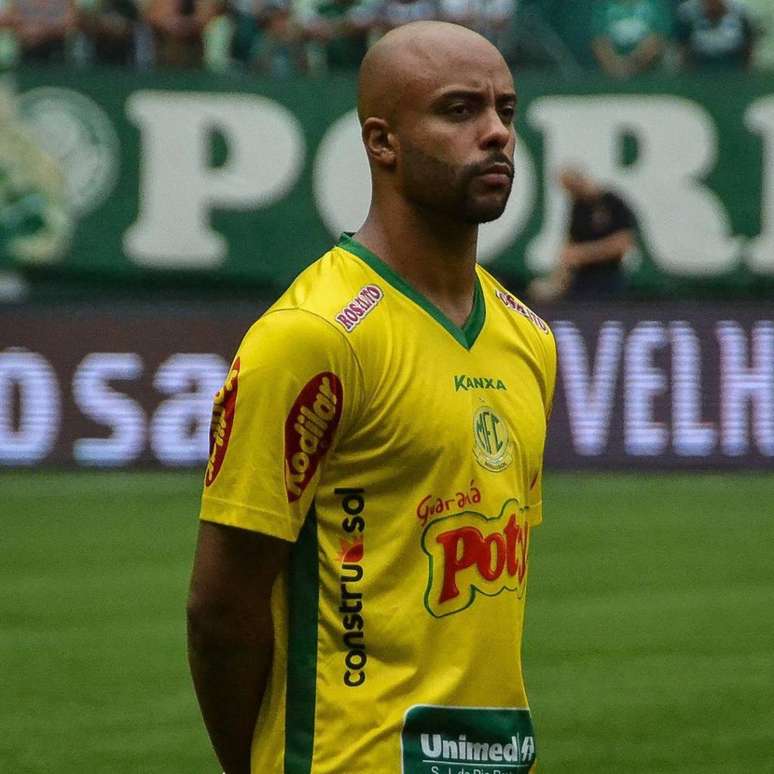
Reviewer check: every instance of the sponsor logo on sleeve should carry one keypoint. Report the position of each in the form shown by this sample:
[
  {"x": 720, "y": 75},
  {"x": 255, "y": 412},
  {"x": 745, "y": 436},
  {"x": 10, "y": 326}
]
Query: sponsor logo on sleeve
[
  {"x": 223, "y": 409},
  {"x": 511, "y": 302},
  {"x": 309, "y": 430},
  {"x": 360, "y": 306},
  {"x": 470, "y": 554},
  {"x": 472, "y": 740}
]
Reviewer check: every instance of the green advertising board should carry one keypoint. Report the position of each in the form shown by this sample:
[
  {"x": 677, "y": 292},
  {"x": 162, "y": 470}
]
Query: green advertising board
[{"x": 117, "y": 177}]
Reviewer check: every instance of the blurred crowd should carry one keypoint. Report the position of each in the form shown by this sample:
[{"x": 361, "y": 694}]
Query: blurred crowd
[{"x": 623, "y": 38}]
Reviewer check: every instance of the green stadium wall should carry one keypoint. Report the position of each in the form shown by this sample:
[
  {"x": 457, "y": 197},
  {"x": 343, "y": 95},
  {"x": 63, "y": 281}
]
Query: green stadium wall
[{"x": 128, "y": 180}]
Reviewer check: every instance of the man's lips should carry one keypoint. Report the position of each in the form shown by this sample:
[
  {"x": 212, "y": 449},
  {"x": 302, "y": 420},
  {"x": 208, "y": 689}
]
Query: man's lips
[{"x": 499, "y": 174}]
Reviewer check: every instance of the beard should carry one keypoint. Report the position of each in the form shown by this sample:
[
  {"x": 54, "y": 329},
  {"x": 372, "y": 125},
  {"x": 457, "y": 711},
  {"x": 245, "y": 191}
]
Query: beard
[{"x": 435, "y": 186}]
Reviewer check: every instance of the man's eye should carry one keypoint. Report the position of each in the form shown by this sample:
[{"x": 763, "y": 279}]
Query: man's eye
[
  {"x": 507, "y": 113},
  {"x": 460, "y": 110}
]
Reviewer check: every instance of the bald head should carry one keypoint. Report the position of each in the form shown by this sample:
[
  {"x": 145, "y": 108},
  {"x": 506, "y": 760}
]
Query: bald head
[{"x": 418, "y": 55}]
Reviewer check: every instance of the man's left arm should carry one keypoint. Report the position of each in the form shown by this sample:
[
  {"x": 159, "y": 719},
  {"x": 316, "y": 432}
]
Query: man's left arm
[
  {"x": 230, "y": 633},
  {"x": 610, "y": 248}
]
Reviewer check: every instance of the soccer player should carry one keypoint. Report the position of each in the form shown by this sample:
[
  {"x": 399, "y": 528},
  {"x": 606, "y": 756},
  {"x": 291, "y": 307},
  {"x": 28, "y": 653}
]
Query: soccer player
[{"x": 358, "y": 592}]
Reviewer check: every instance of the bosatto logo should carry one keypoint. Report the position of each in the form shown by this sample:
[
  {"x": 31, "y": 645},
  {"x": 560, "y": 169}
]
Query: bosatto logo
[
  {"x": 471, "y": 554},
  {"x": 309, "y": 430},
  {"x": 223, "y": 408}
]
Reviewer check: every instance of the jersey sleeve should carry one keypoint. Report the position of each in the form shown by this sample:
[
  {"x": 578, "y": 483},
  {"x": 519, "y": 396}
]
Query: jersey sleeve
[{"x": 291, "y": 394}]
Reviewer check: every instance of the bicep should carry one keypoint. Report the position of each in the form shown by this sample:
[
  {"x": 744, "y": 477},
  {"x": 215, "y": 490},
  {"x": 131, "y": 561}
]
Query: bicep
[{"x": 233, "y": 573}]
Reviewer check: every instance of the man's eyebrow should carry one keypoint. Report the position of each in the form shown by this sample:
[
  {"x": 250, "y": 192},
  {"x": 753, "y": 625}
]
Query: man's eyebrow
[{"x": 475, "y": 94}]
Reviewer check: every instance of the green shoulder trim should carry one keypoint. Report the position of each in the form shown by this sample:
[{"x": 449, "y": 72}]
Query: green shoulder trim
[
  {"x": 466, "y": 335},
  {"x": 303, "y": 601}
]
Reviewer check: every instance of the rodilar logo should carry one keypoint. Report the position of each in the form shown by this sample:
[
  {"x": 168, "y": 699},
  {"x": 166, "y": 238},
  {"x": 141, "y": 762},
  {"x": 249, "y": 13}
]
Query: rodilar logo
[
  {"x": 223, "y": 410},
  {"x": 309, "y": 430}
]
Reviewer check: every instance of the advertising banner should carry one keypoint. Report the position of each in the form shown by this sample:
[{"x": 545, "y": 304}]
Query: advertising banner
[
  {"x": 670, "y": 386},
  {"x": 118, "y": 176}
]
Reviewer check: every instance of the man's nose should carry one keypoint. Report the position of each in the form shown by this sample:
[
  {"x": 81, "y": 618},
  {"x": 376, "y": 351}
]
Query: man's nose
[{"x": 495, "y": 133}]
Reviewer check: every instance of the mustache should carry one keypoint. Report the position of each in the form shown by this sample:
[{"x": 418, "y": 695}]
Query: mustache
[{"x": 481, "y": 167}]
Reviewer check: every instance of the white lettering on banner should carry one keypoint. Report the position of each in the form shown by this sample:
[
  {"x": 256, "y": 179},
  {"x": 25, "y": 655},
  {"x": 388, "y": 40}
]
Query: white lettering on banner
[
  {"x": 180, "y": 427},
  {"x": 31, "y": 438},
  {"x": 342, "y": 188},
  {"x": 693, "y": 390},
  {"x": 690, "y": 435},
  {"x": 106, "y": 406},
  {"x": 643, "y": 382},
  {"x": 179, "y": 187},
  {"x": 743, "y": 383},
  {"x": 589, "y": 395},
  {"x": 682, "y": 221},
  {"x": 760, "y": 118}
]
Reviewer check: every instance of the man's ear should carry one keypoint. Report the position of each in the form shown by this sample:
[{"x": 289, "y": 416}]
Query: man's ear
[{"x": 379, "y": 142}]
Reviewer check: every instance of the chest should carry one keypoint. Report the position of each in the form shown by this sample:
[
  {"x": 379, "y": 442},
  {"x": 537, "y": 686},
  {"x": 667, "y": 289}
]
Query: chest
[{"x": 434, "y": 407}]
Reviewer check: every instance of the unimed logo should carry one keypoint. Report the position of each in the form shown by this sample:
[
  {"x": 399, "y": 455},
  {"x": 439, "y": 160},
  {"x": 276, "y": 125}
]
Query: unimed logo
[{"x": 309, "y": 430}]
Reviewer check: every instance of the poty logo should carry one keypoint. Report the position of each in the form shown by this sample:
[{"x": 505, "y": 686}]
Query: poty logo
[
  {"x": 309, "y": 430},
  {"x": 363, "y": 303},
  {"x": 470, "y": 553},
  {"x": 223, "y": 409}
]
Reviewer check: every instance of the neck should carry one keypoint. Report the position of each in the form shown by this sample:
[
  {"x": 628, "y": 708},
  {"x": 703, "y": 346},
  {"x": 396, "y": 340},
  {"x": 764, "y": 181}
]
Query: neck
[{"x": 435, "y": 255}]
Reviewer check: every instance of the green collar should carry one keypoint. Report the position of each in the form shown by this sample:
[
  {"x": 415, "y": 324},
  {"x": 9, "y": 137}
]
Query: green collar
[{"x": 466, "y": 335}]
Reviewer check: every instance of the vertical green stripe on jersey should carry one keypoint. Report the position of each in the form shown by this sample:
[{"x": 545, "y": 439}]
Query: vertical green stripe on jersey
[
  {"x": 303, "y": 597},
  {"x": 466, "y": 335}
]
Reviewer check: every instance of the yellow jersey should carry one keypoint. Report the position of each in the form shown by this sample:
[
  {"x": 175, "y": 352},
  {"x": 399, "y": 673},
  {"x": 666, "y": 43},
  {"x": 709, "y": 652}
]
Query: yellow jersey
[{"x": 402, "y": 455}]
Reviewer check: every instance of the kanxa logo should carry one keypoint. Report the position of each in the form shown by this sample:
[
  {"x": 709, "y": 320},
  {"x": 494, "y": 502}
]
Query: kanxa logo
[
  {"x": 469, "y": 553},
  {"x": 223, "y": 408},
  {"x": 309, "y": 430},
  {"x": 464, "y": 382},
  {"x": 351, "y": 574}
]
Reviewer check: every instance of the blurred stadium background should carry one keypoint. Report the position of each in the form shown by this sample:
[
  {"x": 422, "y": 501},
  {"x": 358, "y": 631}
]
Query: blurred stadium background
[{"x": 167, "y": 167}]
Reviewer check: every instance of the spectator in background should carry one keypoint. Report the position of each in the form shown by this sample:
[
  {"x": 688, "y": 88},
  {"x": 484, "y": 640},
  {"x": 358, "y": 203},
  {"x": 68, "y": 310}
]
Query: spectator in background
[
  {"x": 714, "y": 33},
  {"x": 178, "y": 27},
  {"x": 9, "y": 48},
  {"x": 339, "y": 32},
  {"x": 761, "y": 14},
  {"x": 395, "y": 13},
  {"x": 600, "y": 233},
  {"x": 629, "y": 36},
  {"x": 490, "y": 18},
  {"x": 42, "y": 29},
  {"x": 110, "y": 27}
]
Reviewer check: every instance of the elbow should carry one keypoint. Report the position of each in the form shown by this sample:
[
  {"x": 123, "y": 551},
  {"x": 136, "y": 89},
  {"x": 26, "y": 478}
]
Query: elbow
[{"x": 218, "y": 625}]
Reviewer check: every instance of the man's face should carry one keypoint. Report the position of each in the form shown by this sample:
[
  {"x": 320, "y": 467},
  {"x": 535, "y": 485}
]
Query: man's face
[{"x": 456, "y": 138}]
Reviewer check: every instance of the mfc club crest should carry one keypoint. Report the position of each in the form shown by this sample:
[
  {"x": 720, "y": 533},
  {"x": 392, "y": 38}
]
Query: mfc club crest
[{"x": 492, "y": 442}]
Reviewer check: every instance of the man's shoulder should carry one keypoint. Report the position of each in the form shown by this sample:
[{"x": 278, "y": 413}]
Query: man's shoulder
[{"x": 331, "y": 297}]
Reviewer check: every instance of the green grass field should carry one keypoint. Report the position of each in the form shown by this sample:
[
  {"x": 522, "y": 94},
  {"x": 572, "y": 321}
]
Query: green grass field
[{"x": 650, "y": 625}]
